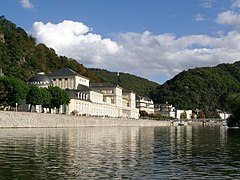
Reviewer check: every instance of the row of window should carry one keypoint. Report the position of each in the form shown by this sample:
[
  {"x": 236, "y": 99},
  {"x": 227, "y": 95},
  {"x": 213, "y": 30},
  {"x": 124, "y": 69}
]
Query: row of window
[
  {"x": 60, "y": 79},
  {"x": 95, "y": 109}
]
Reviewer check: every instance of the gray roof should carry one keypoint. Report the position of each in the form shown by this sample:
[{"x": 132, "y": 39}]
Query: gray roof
[
  {"x": 65, "y": 72},
  {"x": 83, "y": 88},
  {"x": 40, "y": 79},
  {"x": 73, "y": 94}
]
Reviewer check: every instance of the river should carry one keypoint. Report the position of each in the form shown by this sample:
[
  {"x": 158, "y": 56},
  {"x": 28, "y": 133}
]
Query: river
[{"x": 174, "y": 152}]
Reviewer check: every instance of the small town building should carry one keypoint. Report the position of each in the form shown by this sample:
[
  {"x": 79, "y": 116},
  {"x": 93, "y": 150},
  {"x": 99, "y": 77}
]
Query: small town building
[
  {"x": 165, "y": 110},
  {"x": 145, "y": 104},
  {"x": 179, "y": 114},
  {"x": 169, "y": 110},
  {"x": 223, "y": 114}
]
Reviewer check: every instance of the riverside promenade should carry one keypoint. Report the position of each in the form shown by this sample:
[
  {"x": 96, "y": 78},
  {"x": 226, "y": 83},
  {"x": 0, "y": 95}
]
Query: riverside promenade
[{"x": 11, "y": 119}]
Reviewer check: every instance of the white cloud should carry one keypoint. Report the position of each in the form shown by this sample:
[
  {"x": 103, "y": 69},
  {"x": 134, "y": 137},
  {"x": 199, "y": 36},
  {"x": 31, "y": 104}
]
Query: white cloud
[
  {"x": 26, "y": 4},
  {"x": 143, "y": 54},
  {"x": 229, "y": 18},
  {"x": 236, "y": 4},
  {"x": 199, "y": 17},
  {"x": 74, "y": 39}
]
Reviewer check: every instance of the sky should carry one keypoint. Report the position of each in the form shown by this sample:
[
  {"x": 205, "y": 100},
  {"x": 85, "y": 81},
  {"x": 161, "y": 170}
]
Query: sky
[{"x": 153, "y": 39}]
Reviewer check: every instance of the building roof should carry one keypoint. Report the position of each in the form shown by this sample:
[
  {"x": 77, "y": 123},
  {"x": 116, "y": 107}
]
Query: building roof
[
  {"x": 104, "y": 85},
  {"x": 81, "y": 87},
  {"x": 73, "y": 94},
  {"x": 40, "y": 79},
  {"x": 65, "y": 72},
  {"x": 143, "y": 98}
]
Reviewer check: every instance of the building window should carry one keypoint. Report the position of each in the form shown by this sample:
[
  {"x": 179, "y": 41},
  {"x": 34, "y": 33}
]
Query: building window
[
  {"x": 60, "y": 79},
  {"x": 54, "y": 79},
  {"x": 66, "y": 79}
]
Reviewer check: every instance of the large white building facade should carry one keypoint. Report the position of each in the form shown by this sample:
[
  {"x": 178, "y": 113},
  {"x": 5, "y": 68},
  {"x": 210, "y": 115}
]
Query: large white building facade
[{"x": 94, "y": 99}]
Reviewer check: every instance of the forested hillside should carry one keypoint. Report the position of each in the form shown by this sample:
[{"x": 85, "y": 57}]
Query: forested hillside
[
  {"x": 139, "y": 85},
  {"x": 201, "y": 88}
]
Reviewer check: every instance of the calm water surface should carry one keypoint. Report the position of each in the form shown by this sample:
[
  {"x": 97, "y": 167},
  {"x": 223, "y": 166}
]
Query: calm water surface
[{"x": 192, "y": 152}]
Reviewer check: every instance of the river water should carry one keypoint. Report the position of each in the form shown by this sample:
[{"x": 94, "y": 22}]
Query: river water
[{"x": 190, "y": 152}]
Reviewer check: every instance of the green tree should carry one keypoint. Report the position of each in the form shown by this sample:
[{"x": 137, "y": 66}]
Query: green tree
[
  {"x": 12, "y": 91},
  {"x": 183, "y": 115},
  {"x": 59, "y": 97},
  {"x": 34, "y": 96},
  {"x": 46, "y": 98},
  {"x": 234, "y": 104}
]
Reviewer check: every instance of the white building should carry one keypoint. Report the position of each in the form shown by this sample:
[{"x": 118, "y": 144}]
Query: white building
[
  {"x": 165, "y": 110},
  {"x": 179, "y": 114},
  {"x": 145, "y": 104},
  {"x": 170, "y": 111},
  {"x": 95, "y": 99},
  {"x": 223, "y": 114}
]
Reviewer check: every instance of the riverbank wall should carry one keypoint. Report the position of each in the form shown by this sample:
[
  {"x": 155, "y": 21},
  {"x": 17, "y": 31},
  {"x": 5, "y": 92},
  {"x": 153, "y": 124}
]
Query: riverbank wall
[{"x": 10, "y": 119}]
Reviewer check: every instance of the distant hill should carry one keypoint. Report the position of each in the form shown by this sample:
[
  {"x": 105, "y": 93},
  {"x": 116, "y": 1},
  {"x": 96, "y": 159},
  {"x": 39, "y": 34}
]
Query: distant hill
[
  {"x": 204, "y": 88},
  {"x": 137, "y": 84}
]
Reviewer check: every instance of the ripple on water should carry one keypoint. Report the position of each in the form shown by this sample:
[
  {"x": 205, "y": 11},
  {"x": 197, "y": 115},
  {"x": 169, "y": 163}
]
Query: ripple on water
[{"x": 120, "y": 152}]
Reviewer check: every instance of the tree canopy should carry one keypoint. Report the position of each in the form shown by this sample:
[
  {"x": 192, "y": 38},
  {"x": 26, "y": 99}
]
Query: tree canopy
[
  {"x": 234, "y": 103},
  {"x": 12, "y": 91},
  {"x": 34, "y": 96},
  {"x": 59, "y": 97}
]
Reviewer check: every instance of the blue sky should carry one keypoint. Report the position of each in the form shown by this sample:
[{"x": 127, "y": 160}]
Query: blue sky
[{"x": 154, "y": 39}]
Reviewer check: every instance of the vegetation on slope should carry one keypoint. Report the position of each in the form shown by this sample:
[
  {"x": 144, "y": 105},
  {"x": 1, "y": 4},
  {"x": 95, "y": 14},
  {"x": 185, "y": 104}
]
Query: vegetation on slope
[
  {"x": 139, "y": 85},
  {"x": 201, "y": 88}
]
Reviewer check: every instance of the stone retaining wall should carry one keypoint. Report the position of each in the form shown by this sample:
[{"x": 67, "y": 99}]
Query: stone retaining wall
[{"x": 10, "y": 119}]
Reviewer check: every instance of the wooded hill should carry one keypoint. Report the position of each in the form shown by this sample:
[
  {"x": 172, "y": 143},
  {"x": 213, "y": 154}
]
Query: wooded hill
[
  {"x": 137, "y": 84},
  {"x": 21, "y": 57},
  {"x": 206, "y": 88}
]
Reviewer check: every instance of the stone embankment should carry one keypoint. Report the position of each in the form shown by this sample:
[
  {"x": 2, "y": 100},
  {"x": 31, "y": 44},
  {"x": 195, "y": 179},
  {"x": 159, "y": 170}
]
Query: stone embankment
[{"x": 10, "y": 119}]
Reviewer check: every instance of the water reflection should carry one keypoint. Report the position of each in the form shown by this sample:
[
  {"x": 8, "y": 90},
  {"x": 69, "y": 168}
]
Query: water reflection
[{"x": 120, "y": 152}]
